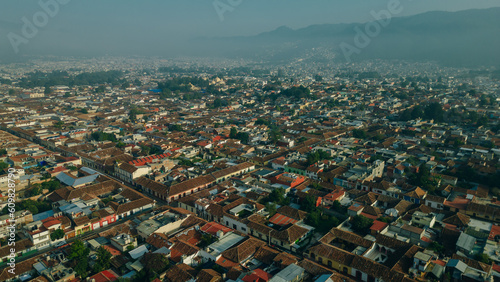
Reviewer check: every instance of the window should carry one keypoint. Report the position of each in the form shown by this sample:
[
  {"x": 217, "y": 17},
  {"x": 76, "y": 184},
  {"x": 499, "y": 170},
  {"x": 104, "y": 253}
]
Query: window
[{"x": 330, "y": 263}]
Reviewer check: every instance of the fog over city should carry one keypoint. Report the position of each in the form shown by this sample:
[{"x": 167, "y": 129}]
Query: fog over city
[{"x": 232, "y": 28}]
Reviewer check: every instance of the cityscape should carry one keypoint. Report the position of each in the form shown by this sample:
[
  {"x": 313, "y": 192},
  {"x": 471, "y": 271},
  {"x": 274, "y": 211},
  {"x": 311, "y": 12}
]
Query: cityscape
[{"x": 249, "y": 168}]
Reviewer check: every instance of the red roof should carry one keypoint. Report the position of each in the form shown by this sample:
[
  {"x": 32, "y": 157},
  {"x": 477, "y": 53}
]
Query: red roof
[
  {"x": 214, "y": 227},
  {"x": 495, "y": 230},
  {"x": 112, "y": 250},
  {"x": 440, "y": 262},
  {"x": 104, "y": 276},
  {"x": 224, "y": 262},
  {"x": 50, "y": 223},
  {"x": 378, "y": 225},
  {"x": 148, "y": 159},
  {"x": 280, "y": 219},
  {"x": 369, "y": 215},
  {"x": 496, "y": 267},
  {"x": 258, "y": 275}
]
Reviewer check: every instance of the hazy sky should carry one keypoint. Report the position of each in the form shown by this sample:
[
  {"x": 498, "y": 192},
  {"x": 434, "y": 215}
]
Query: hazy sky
[{"x": 133, "y": 25}]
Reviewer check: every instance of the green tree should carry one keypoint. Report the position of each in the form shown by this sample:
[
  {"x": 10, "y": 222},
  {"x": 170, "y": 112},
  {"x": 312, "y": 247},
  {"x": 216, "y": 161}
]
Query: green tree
[
  {"x": 3, "y": 165},
  {"x": 271, "y": 208},
  {"x": 218, "y": 102},
  {"x": 12, "y": 92},
  {"x": 175, "y": 127},
  {"x": 309, "y": 204},
  {"x": 233, "y": 133},
  {"x": 59, "y": 124},
  {"x": 361, "y": 224},
  {"x": 484, "y": 258},
  {"x": 358, "y": 133},
  {"x": 79, "y": 254},
  {"x": 103, "y": 259},
  {"x": 277, "y": 196},
  {"x": 435, "y": 246},
  {"x": 154, "y": 264},
  {"x": 58, "y": 234}
]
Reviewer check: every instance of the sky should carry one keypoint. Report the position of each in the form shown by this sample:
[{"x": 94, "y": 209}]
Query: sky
[{"x": 150, "y": 26}]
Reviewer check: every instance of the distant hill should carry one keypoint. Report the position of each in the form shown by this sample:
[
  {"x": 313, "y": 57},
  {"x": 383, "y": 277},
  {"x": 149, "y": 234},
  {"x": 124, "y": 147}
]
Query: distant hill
[{"x": 465, "y": 38}]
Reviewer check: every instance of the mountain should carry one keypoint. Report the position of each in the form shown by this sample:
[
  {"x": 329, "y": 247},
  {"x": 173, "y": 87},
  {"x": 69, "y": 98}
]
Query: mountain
[{"x": 465, "y": 38}]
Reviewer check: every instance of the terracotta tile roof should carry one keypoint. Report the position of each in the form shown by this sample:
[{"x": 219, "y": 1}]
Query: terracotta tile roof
[
  {"x": 292, "y": 212},
  {"x": 284, "y": 259},
  {"x": 181, "y": 248},
  {"x": 346, "y": 236},
  {"x": 208, "y": 275},
  {"x": 266, "y": 254},
  {"x": 213, "y": 227},
  {"x": 390, "y": 242},
  {"x": 418, "y": 193},
  {"x": 403, "y": 206},
  {"x": 368, "y": 199},
  {"x": 190, "y": 184},
  {"x": 290, "y": 234},
  {"x": 459, "y": 219},
  {"x": 152, "y": 185},
  {"x": 332, "y": 253},
  {"x": 180, "y": 272},
  {"x": 370, "y": 267},
  {"x": 158, "y": 240},
  {"x": 243, "y": 251},
  {"x": 314, "y": 268}
]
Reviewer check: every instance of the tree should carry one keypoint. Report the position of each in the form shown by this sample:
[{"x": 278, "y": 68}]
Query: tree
[
  {"x": 79, "y": 254},
  {"x": 361, "y": 224},
  {"x": 130, "y": 247},
  {"x": 309, "y": 204},
  {"x": 58, "y": 234},
  {"x": 275, "y": 135},
  {"x": 271, "y": 208},
  {"x": 154, "y": 264},
  {"x": 36, "y": 190},
  {"x": 84, "y": 111},
  {"x": 175, "y": 127},
  {"x": 103, "y": 258},
  {"x": 277, "y": 196},
  {"x": 435, "y": 246},
  {"x": 59, "y": 124},
  {"x": 47, "y": 90},
  {"x": 316, "y": 156},
  {"x": 484, "y": 258},
  {"x": 12, "y": 92},
  {"x": 358, "y": 133},
  {"x": 3, "y": 165},
  {"x": 218, "y": 102},
  {"x": 233, "y": 133}
]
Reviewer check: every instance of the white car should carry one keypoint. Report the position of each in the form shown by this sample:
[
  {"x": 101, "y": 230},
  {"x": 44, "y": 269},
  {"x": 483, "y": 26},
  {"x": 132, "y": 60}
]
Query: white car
[{"x": 60, "y": 244}]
